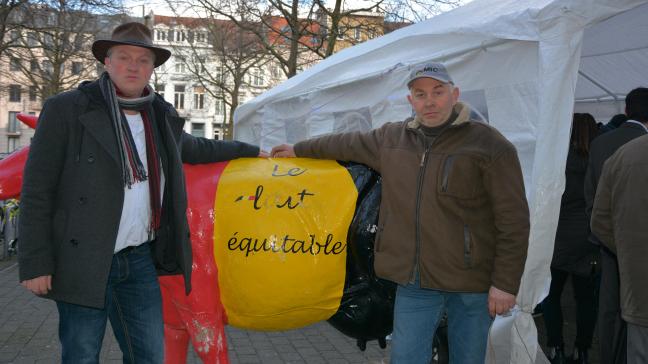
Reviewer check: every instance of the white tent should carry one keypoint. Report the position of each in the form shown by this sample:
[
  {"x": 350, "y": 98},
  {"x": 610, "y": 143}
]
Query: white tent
[{"x": 525, "y": 64}]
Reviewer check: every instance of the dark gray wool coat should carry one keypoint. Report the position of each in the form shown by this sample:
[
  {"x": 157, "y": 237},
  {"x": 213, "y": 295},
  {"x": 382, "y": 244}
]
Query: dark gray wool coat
[{"x": 73, "y": 193}]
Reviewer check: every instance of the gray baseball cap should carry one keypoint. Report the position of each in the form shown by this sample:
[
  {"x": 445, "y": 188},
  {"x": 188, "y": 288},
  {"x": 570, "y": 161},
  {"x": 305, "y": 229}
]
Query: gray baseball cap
[{"x": 433, "y": 70}]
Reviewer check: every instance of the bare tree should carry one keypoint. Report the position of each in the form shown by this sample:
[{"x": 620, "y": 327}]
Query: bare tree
[
  {"x": 52, "y": 53},
  {"x": 339, "y": 23},
  {"x": 413, "y": 11},
  {"x": 301, "y": 32},
  {"x": 7, "y": 7},
  {"x": 223, "y": 65},
  {"x": 295, "y": 32}
]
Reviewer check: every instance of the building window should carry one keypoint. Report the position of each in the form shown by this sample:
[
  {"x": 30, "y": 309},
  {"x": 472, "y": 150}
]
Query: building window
[
  {"x": 32, "y": 39},
  {"x": 219, "y": 106},
  {"x": 218, "y": 131},
  {"x": 178, "y": 97},
  {"x": 340, "y": 33},
  {"x": 276, "y": 72},
  {"x": 76, "y": 68},
  {"x": 257, "y": 77},
  {"x": 78, "y": 42},
  {"x": 199, "y": 98},
  {"x": 180, "y": 65},
  {"x": 33, "y": 65},
  {"x": 221, "y": 77},
  {"x": 14, "y": 64},
  {"x": 198, "y": 129},
  {"x": 160, "y": 35},
  {"x": 159, "y": 88},
  {"x": 14, "y": 93},
  {"x": 48, "y": 67},
  {"x": 199, "y": 64},
  {"x": 48, "y": 40},
  {"x": 357, "y": 34},
  {"x": 14, "y": 123},
  {"x": 33, "y": 93},
  {"x": 200, "y": 37},
  {"x": 170, "y": 35}
]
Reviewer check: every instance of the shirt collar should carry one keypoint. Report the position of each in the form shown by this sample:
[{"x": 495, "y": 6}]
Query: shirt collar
[{"x": 640, "y": 123}]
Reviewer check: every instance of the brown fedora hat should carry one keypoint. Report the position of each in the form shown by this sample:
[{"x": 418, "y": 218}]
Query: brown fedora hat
[{"x": 134, "y": 34}]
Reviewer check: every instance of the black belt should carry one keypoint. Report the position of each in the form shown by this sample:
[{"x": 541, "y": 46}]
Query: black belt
[{"x": 132, "y": 248}]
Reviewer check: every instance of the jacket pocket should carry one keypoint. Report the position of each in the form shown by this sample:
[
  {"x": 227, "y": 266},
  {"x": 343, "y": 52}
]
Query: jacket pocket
[
  {"x": 460, "y": 177},
  {"x": 447, "y": 165},
  {"x": 468, "y": 251}
]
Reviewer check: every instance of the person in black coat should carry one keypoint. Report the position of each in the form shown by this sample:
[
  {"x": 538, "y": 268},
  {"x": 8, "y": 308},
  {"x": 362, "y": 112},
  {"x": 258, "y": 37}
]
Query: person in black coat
[
  {"x": 614, "y": 123},
  {"x": 573, "y": 254},
  {"x": 104, "y": 203},
  {"x": 611, "y": 327}
]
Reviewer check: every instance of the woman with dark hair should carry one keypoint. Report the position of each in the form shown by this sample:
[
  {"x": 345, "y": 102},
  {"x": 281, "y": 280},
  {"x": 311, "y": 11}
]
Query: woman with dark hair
[{"x": 573, "y": 254}]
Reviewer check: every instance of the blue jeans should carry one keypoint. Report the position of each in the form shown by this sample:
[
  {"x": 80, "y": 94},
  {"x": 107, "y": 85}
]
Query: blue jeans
[
  {"x": 417, "y": 313},
  {"x": 134, "y": 307}
]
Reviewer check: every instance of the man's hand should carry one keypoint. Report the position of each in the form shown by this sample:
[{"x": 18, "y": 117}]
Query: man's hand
[
  {"x": 499, "y": 302},
  {"x": 39, "y": 285},
  {"x": 283, "y": 151}
]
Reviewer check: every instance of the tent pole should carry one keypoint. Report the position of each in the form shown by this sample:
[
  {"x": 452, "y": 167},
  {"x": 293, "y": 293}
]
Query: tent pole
[{"x": 602, "y": 87}]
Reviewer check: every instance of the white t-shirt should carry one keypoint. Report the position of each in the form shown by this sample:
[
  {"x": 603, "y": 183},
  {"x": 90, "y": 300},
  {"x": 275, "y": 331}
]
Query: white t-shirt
[{"x": 136, "y": 213}]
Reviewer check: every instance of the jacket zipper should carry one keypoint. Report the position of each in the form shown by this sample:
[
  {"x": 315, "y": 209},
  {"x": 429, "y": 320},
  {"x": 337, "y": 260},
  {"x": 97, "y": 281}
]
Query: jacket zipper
[{"x": 419, "y": 188}]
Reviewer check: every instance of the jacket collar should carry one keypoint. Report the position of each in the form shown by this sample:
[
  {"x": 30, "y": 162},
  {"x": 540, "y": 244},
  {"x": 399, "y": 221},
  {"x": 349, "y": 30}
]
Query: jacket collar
[
  {"x": 634, "y": 124},
  {"x": 93, "y": 91},
  {"x": 461, "y": 110}
]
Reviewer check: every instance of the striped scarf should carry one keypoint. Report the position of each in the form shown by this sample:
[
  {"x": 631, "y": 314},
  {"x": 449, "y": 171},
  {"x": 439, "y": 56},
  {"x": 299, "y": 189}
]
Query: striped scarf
[{"x": 132, "y": 168}]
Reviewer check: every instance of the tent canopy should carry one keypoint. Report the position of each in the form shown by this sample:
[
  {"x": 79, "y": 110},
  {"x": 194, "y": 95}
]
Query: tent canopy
[
  {"x": 526, "y": 65},
  {"x": 614, "y": 60}
]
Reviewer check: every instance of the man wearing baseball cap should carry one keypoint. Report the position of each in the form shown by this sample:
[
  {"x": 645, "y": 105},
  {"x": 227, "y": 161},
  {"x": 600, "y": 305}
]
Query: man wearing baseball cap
[
  {"x": 103, "y": 205},
  {"x": 454, "y": 221}
]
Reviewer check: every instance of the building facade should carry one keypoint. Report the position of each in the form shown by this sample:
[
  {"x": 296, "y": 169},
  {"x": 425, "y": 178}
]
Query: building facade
[
  {"x": 214, "y": 66},
  {"x": 209, "y": 64}
]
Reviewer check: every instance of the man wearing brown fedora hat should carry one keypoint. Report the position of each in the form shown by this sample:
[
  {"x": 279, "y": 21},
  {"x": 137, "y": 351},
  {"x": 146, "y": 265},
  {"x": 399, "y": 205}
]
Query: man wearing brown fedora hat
[{"x": 103, "y": 203}]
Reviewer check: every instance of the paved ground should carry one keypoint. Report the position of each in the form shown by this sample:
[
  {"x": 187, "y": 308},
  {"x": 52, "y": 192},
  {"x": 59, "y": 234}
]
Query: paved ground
[
  {"x": 28, "y": 326},
  {"x": 28, "y": 334}
]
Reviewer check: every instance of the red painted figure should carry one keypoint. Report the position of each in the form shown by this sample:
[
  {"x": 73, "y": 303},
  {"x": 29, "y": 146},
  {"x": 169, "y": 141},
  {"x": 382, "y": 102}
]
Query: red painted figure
[{"x": 198, "y": 317}]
